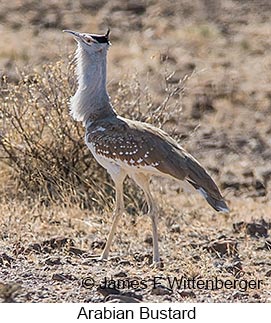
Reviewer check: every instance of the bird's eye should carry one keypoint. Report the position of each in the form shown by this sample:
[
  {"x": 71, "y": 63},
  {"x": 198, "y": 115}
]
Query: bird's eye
[{"x": 88, "y": 40}]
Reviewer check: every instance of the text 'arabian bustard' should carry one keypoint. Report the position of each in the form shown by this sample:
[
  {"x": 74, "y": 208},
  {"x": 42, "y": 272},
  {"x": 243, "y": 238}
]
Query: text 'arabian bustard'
[{"x": 127, "y": 147}]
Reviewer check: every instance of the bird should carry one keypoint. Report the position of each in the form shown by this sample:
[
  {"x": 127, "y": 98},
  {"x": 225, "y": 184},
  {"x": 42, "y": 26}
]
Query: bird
[{"x": 126, "y": 147}]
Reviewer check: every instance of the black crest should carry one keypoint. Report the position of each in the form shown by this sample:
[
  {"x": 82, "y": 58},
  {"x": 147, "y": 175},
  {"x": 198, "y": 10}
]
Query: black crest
[{"x": 102, "y": 39}]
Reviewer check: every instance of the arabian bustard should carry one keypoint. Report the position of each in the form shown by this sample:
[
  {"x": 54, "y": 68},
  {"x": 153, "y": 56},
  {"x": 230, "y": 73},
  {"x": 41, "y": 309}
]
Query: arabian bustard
[{"x": 127, "y": 147}]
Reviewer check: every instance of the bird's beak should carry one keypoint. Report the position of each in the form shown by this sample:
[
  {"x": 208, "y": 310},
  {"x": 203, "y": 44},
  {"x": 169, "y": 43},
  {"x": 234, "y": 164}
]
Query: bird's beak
[{"x": 75, "y": 34}]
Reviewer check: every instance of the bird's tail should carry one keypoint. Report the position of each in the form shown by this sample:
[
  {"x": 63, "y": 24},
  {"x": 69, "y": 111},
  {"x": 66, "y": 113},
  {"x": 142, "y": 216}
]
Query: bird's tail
[
  {"x": 218, "y": 204},
  {"x": 204, "y": 184}
]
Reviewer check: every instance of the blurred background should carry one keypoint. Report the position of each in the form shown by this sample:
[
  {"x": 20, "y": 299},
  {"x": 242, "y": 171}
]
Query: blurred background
[{"x": 217, "y": 52}]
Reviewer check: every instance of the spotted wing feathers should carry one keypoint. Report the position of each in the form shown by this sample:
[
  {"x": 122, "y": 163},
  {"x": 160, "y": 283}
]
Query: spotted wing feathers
[{"x": 139, "y": 145}]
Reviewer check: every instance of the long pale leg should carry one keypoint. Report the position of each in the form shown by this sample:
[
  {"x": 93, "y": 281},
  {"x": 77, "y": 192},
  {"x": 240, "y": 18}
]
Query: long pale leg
[
  {"x": 143, "y": 181},
  {"x": 119, "y": 210}
]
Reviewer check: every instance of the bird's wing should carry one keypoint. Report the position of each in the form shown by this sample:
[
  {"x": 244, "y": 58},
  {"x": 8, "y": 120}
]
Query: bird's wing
[{"x": 140, "y": 144}]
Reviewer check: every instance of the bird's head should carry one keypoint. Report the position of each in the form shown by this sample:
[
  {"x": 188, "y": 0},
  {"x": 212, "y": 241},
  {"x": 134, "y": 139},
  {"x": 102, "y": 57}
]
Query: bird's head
[{"x": 93, "y": 44}]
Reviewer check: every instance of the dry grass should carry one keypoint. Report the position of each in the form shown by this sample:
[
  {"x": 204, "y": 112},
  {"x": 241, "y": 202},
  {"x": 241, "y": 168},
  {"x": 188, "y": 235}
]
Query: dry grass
[
  {"x": 41, "y": 143},
  {"x": 192, "y": 69},
  {"x": 45, "y": 148}
]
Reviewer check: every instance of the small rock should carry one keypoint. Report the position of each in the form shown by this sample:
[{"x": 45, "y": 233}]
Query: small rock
[
  {"x": 63, "y": 277},
  {"x": 161, "y": 290},
  {"x": 53, "y": 261},
  {"x": 186, "y": 293},
  {"x": 268, "y": 273},
  {"x": 175, "y": 228},
  {"x": 121, "y": 274},
  {"x": 257, "y": 229},
  {"x": 58, "y": 277},
  {"x": 238, "y": 295},
  {"x": 108, "y": 291},
  {"x": 76, "y": 251},
  {"x": 133, "y": 294},
  {"x": 90, "y": 259},
  {"x": 223, "y": 247},
  {"x": 248, "y": 173}
]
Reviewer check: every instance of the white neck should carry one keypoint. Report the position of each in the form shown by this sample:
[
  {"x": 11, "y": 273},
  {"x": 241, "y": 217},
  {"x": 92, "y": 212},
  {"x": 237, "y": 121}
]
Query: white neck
[{"x": 91, "y": 100}]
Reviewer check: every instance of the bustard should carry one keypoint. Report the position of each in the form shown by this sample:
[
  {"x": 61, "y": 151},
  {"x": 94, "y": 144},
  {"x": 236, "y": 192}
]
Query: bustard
[{"x": 127, "y": 147}]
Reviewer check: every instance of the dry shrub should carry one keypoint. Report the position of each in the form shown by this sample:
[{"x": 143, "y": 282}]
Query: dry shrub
[{"x": 45, "y": 147}]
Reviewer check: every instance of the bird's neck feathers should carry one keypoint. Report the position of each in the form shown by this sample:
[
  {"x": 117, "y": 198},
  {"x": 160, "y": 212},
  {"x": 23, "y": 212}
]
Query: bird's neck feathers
[{"x": 91, "y": 100}]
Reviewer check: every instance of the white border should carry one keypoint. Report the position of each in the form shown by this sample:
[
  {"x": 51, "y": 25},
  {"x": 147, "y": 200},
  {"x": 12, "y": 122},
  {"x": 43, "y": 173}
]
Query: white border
[{"x": 57, "y": 313}]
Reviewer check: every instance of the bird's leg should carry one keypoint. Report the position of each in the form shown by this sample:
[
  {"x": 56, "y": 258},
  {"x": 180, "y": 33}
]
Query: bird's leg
[
  {"x": 119, "y": 210},
  {"x": 152, "y": 212},
  {"x": 143, "y": 182}
]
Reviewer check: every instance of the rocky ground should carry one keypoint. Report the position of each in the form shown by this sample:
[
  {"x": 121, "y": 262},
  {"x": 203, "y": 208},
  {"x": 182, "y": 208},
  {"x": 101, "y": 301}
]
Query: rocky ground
[{"x": 219, "y": 54}]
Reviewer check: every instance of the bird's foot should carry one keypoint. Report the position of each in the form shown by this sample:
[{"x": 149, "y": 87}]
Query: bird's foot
[
  {"x": 157, "y": 264},
  {"x": 103, "y": 256}
]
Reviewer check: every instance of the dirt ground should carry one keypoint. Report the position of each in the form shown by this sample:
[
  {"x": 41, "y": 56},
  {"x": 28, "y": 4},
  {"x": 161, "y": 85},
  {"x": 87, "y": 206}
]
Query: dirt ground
[{"x": 221, "y": 50}]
